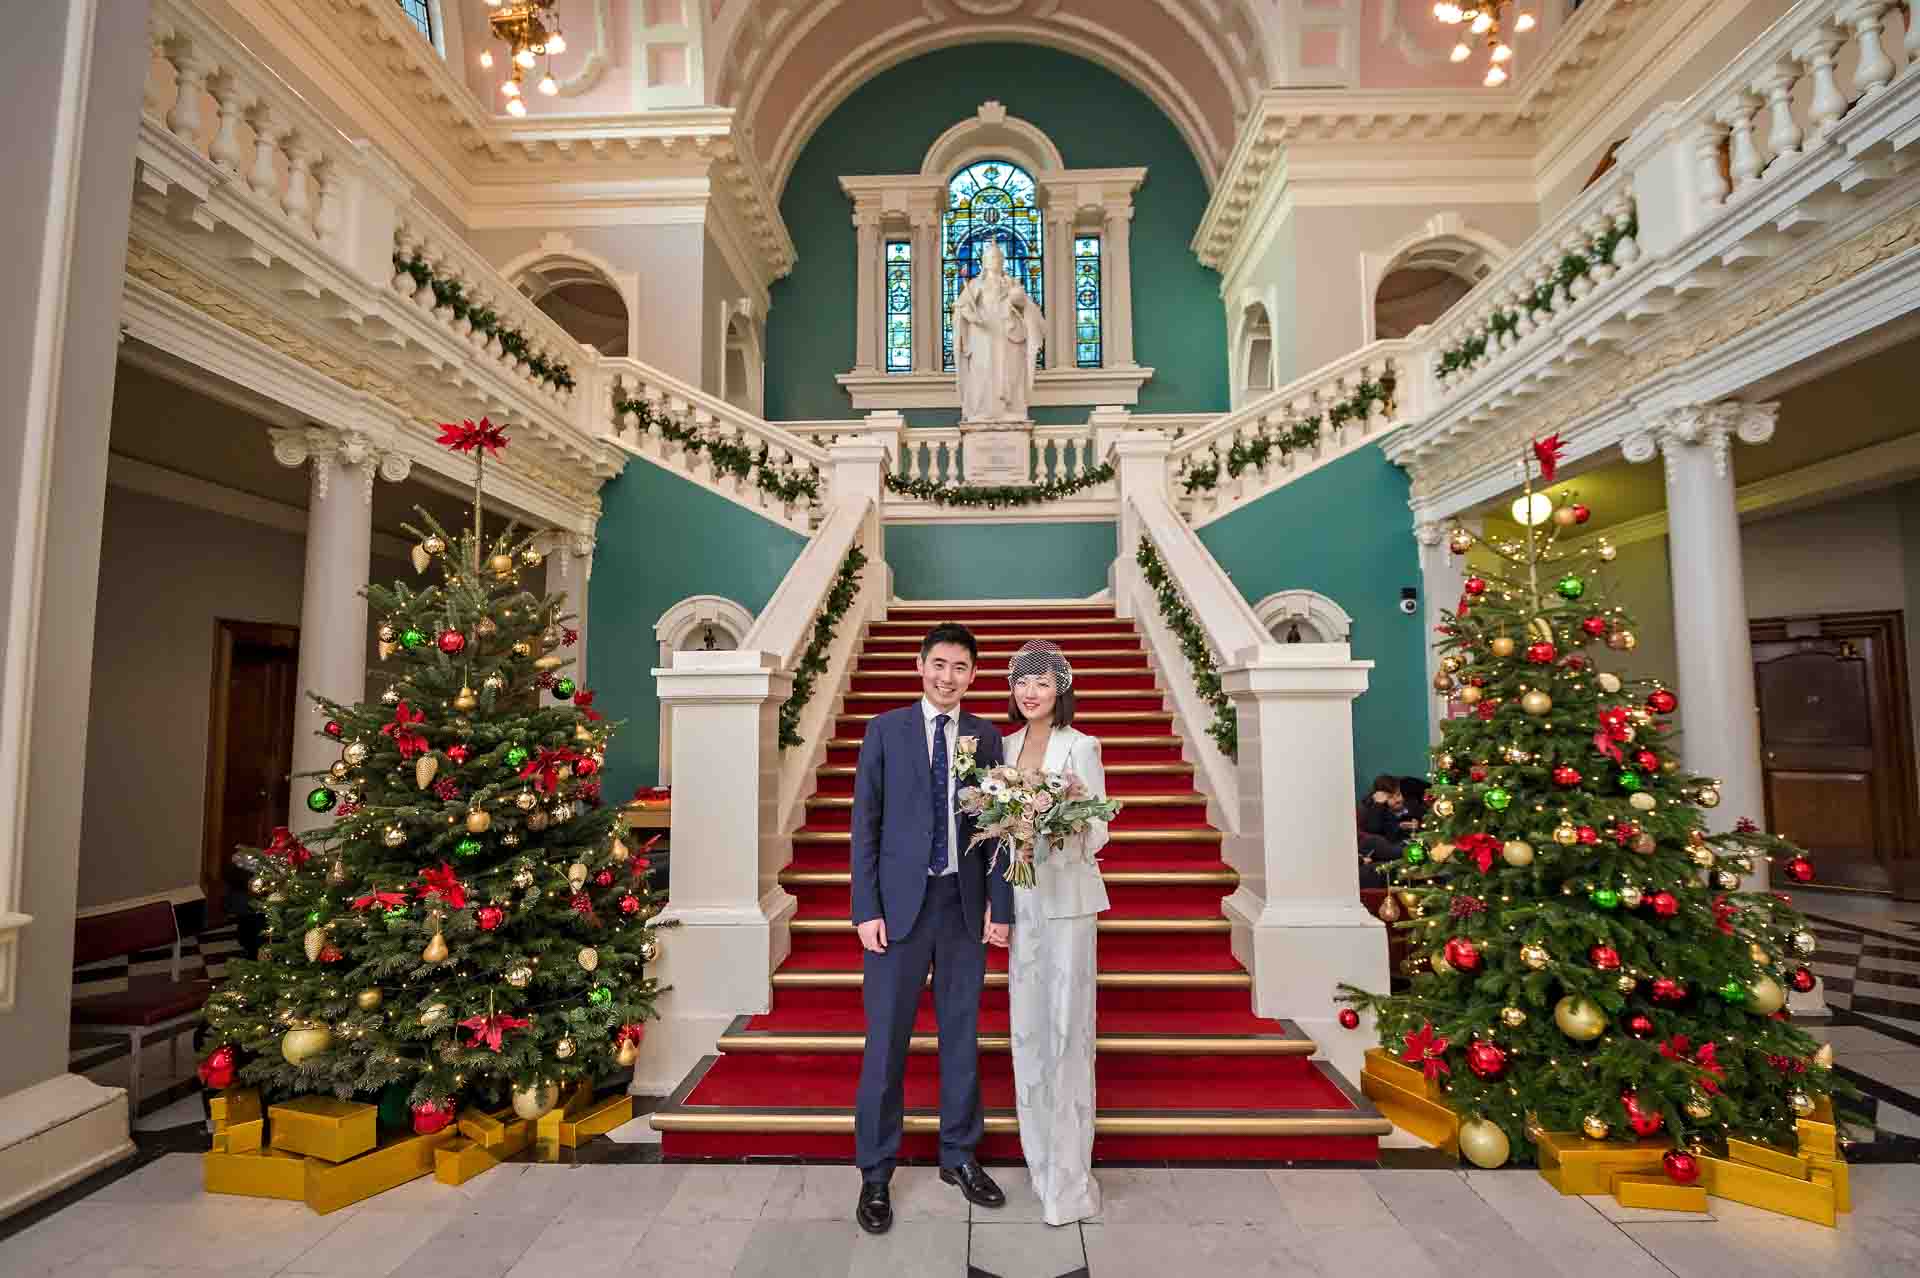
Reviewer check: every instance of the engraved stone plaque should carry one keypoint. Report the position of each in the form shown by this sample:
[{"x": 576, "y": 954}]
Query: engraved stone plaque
[{"x": 997, "y": 454}]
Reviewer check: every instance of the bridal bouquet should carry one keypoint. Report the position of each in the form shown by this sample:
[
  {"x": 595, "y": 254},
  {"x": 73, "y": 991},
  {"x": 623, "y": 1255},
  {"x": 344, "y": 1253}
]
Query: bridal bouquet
[{"x": 1017, "y": 808}]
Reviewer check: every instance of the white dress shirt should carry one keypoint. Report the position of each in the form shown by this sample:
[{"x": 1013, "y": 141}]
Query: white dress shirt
[{"x": 928, "y": 711}]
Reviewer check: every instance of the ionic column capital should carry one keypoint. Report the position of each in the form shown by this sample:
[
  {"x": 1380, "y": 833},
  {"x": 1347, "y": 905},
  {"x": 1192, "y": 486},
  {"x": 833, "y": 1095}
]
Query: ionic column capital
[
  {"x": 329, "y": 446},
  {"x": 1431, "y": 532},
  {"x": 1710, "y": 426}
]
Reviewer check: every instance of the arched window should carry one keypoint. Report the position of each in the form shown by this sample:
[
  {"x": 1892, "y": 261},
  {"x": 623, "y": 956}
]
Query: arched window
[
  {"x": 1304, "y": 616},
  {"x": 1255, "y": 353},
  {"x": 988, "y": 201},
  {"x": 420, "y": 14},
  {"x": 582, "y": 300},
  {"x": 709, "y": 623}
]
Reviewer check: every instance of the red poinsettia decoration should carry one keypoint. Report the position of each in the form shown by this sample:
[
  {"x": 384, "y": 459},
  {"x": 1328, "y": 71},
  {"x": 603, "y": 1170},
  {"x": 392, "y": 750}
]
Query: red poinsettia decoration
[
  {"x": 544, "y": 767},
  {"x": 588, "y": 792},
  {"x": 1547, "y": 452},
  {"x": 569, "y": 636},
  {"x": 1723, "y": 914},
  {"x": 443, "y": 883},
  {"x": 405, "y": 739},
  {"x": 447, "y": 789},
  {"x": 1707, "y": 1059},
  {"x": 465, "y": 436},
  {"x": 489, "y": 1031},
  {"x": 1745, "y": 825},
  {"x": 1481, "y": 847},
  {"x": 377, "y": 899},
  {"x": 583, "y": 701},
  {"x": 1426, "y": 1049},
  {"x": 283, "y": 844}
]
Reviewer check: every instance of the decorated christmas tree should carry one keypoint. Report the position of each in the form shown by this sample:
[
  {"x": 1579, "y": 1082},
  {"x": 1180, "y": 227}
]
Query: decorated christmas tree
[
  {"x": 473, "y": 923},
  {"x": 1583, "y": 958}
]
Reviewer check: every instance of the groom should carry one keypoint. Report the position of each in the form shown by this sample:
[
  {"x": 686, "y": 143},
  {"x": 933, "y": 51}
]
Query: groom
[{"x": 920, "y": 904}]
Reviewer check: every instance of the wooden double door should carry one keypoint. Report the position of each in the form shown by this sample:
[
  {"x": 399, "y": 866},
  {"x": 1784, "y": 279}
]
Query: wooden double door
[
  {"x": 249, "y": 747},
  {"x": 1836, "y": 745}
]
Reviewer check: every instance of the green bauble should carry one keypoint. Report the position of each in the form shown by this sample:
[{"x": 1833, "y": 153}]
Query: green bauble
[
  {"x": 1415, "y": 853},
  {"x": 601, "y": 996},
  {"x": 516, "y": 756},
  {"x": 468, "y": 846},
  {"x": 1605, "y": 898},
  {"x": 564, "y": 688},
  {"x": 398, "y": 913},
  {"x": 1570, "y": 587},
  {"x": 412, "y": 637},
  {"x": 321, "y": 799},
  {"x": 1630, "y": 781},
  {"x": 1498, "y": 799},
  {"x": 1733, "y": 992}
]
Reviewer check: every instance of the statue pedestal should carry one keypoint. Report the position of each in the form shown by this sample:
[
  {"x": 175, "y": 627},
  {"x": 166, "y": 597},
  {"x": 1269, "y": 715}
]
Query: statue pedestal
[{"x": 995, "y": 453}]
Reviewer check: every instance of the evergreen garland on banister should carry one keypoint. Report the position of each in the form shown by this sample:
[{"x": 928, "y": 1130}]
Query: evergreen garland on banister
[
  {"x": 1001, "y": 495},
  {"x": 728, "y": 456},
  {"x": 846, "y": 585},
  {"x": 1305, "y": 433},
  {"x": 1225, "y": 728},
  {"x": 486, "y": 321}
]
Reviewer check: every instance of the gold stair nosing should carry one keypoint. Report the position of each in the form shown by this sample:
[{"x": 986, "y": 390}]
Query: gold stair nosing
[
  {"x": 908, "y": 697},
  {"x": 1189, "y": 800},
  {"x": 1112, "y": 769},
  {"x": 1201, "y": 924},
  {"x": 1152, "y": 742},
  {"x": 838, "y": 979},
  {"x": 840, "y": 1122},
  {"x": 1115, "y": 836},
  {"x": 1113, "y": 1044},
  {"x": 1113, "y": 878}
]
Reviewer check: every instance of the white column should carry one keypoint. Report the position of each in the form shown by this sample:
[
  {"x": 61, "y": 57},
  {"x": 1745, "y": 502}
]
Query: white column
[
  {"x": 1441, "y": 576},
  {"x": 1298, "y": 924},
  {"x": 926, "y": 291},
  {"x": 1116, "y": 290},
  {"x": 1060, "y": 287},
  {"x": 333, "y": 614},
  {"x": 866, "y": 343},
  {"x": 577, "y": 571}
]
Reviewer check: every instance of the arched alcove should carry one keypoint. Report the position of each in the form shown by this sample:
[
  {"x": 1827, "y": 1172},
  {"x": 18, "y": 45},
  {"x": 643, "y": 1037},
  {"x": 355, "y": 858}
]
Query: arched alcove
[
  {"x": 742, "y": 362},
  {"x": 1304, "y": 616},
  {"x": 710, "y": 623},
  {"x": 1416, "y": 281},
  {"x": 1253, "y": 360},
  {"x": 582, "y": 292}
]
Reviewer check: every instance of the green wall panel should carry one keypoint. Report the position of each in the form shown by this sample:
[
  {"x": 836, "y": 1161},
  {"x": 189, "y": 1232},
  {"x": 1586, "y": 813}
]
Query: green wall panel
[
  {"x": 661, "y": 539},
  {"x": 1345, "y": 531},
  {"x": 999, "y": 561},
  {"x": 1097, "y": 119}
]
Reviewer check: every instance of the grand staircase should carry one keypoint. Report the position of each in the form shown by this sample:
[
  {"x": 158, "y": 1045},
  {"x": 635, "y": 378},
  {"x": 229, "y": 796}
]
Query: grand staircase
[{"x": 1184, "y": 1070}]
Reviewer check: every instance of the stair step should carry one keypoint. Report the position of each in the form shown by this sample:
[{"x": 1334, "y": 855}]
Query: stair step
[
  {"x": 1224, "y": 876},
  {"x": 1106, "y": 924},
  {"x": 1018, "y": 629},
  {"x": 1086, "y": 682},
  {"x": 1189, "y": 799},
  {"x": 1186, "y": 835},
  {"x": 1143, "y": 979},
  {"x": 995, "y": 662},
  {"x": 937, "y": 611},
  {"x": 998, "y": 1040}
]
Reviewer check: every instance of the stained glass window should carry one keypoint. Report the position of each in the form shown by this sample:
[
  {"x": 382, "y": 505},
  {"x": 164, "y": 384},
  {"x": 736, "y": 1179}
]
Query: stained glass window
[
  {"x": 419, "y": 15},
  {"x": 899, "y": 306},
  {"x": 990, "y": 201},
  {"x": 1086, "y": 301}
]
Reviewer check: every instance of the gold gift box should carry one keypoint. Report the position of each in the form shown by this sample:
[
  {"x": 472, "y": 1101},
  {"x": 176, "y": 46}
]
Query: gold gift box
[
  {"x": 256, "y": 1173},
  {"x": 331, "y": 1186},
  {"x": 1573, "y": 1164},
  {"x": 1410, "y": 1110},
  {"x": 483, "y": 1128},
  {"x": 595, "y": 1118},
  {"x": 1833, "y": 1171},
  {"x": 1657, "y": 1190},
  {"x": 234, "y": 1105},
  {"x": 460, "y": 1160},
  {"x": 245, "y": 1137},
  {"x": 546, "y": 1135},
  {"x": 1770, "y": 1157},
  {"x": 1769, "y": 1190},
  {"x": 1817, "y": 1131},
  {"x": 1385, "y": 1066},
  {"x": 323, "y": 1127}
]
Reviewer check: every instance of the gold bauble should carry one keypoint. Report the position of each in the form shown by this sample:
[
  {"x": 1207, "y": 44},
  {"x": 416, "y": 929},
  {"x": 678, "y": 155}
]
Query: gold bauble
[
  {"x": 1451, "y": 663},
  {"x": 530, "y": 557},
  {"x": 509, "y": 840},
  {"x": 1517, "y": 853},
  {"x": 465, "y": 700},
  {"x": 259, "y": 885},
  {"x": 576, "y": 875},
  {"x": 1513, "y": 1017},
  {"x": 1609, "y": 683},
  {"x": 565, "y": 1049},
  {"x": 368, "y": 999},
  {"x": 1804, "y": 943},
  {"x": 478, "y": 821},
  {"x": 627, "y": 1053},
  {"x": 421, "y": 559},
  {"x": 536, "y": 820},
  {"x": 547, "y": 663},
  {"x": 1580, "y": 1020},
  {"x": 1460, "y": 541},
  {"x": 1709, "y": 797},
  {"x": 1565, "y": 834},
  {"x": 1764, "y": 995},
  {"x": 531, "y": 1102},
  {"x": 313, "y": 942},
  {"x": 1443, "y": 808},
  {"x": 1641, "y": 801},
  {"x": 493, "y": 683},
  {"x": 1644, "y": 844},
  {"x": 1389, "y": 911},
  {"x": 337, "y": 873},
  {"x": 502, "y": 565},
  {"x": 1443, "y": 682},
  {"x": 620, "y": 852},
  {"x": 1535, "y": 955},
  {"x": 393, "y": 836},
  {"x": 355, "y": 754},
  {"x": 1471, "y": 695},
  {"x": 485, "y": 628},
  {"x": 1440, "y": 853},
  {"x": 1517, "y": 756},
  {"x": 1631, "y": 895},
  {"x": 339, "y": 770},
  {"x": 589, "y": 958},
  {"x": 1564, "y": 517},
  {"x": 1626, "y": 982},
  {"x": 391, "y": 697},
  {"x": 1698, "y": 1105},
  {"x": 582, "y": 733},
  {"x": 1607, "y": 553},
  {"x": 1532, "y": 1130},
  {"x": 526, "y": 800},
  {"x": 1622, "y": 640},
  {"x": 1595, "y": 1127},
  {"x": 434, "y": 544},
  {"x": 1502, "y": 646},
  {"x": 523, "y": 877},
  {"x": 1484, "y": 1144},
  {"x": 388, "y": 633},
  {"x": 425, "y": 768},
  {"x": 1726, "y": 880},
  {"x": 432, "y": 1014},
  {"x": 305, "y": 1042},
  {"x": 1824, "y": 1057},
  {"x": 1801, "y": 1103},
  {"x": 521, "y": 648},
  {"x": 1540, "y": 628},
  {"x": 1535, "y": 703},
  {"x": 436, "y": 951},
  {"x": 649, "y": 948},
  {"x": 519, "y": 976},
  {"x": 1446, "y": 762}
]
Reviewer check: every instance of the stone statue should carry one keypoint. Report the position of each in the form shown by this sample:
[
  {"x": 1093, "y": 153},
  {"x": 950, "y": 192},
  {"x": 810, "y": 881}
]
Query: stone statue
[{"x": 997, "y": 334}]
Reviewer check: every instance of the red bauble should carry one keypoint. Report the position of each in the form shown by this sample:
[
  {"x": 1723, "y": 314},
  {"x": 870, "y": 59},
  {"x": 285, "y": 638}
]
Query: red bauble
[
  {"x": 1486, "y": 709},
  {"x": 1478, "y": 772},
  {"x": 1648, "y": 761},
  {"x": 1463, "y": 609},
  {"x": 1640, "y": 1025},
  {"x": 1595, "y": 626},
  {"x": 1660, "y": 701},
  {"x": 1800, "y": 870},
  {"x": 1475, "y": 585},
  {"x": 1478, "y": 681},
  {"x": 489, "y": 917},
  {"x": 1681, "y": 1167},
  {"x": 604, "y": 878},
  {"x": 1349, "y": 1019},
  {"x": 1486, "y": 1060},
  {"x": 585, "y": 766},
  {"x": 431, "y": 1116},
  {"x": 581, "y": 903},
  {"x": 458, "y": 753},
  {"x": 217, "y": 1070},
  {"x": 1566, "y": 774},
  {"x": 333, "y": 729},
  {"x": 452, "y": 642},
  {"x": 1463, "y": 954},
  {"x": 1801, "y": 980},
  {"x": 330, "y": 953},
  {"x": 1581, "y": 514},
  {"x": 1665, "y": 904},
  {"x": 1587, "y": 834},
  {"x": 1574, "y": 661},
  {"x": 1541, "y": 654},
  {"x": 1604, "y": 957},
  {"x": 629, "y": 903},
  {"x": 1668, "y": 990},
  {"x": 1644, "y": 1122}
]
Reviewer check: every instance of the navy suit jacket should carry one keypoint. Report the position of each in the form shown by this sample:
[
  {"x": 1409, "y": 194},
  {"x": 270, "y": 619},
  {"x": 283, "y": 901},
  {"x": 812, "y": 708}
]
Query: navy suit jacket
[{"x": 893, "y": 826}]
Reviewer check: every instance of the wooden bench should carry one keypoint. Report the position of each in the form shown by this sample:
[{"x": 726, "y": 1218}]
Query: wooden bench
[{"x": 150, "y": 1005}]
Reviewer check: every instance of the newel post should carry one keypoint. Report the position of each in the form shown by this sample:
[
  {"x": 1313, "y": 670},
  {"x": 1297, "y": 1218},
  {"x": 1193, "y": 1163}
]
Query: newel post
[{"x": 1139, "y": 459}]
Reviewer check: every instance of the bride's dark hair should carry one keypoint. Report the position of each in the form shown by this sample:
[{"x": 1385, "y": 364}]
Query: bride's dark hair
[{"x": 1038, "y": 657}]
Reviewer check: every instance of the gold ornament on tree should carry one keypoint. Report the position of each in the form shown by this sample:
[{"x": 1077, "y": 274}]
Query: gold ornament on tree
[
  {"x": 436, "y": 951},
  {"x": 425, "y": 768},
  {"x": 369, "y": 999},
  {"x": 1801, "y": 1103},
  {"x": 649, "y": 948},
  {"x": 627, "y": 1053},
  {"x": 1484, "y": 1143},
  {"x": 313, "y": 942},
  {"x": 1535, "y": 955},
  {"x": 1579, "y": 1019},
  {"x": 465, "y": 700},
  {"x": 1595, "y": 1127},
  {"x": 1764, "y": 996},
  {"x": 478, "y": 821},
  {"x": 432, "y": 1014},
  {"x": 589, "y": 958},
  {"x": 1389, "y": 911},
  {"x": 1535, "y": 703},
  {"x": 1517, "y": 853},
  {"x": 565, "y": 1049},
  {"x": 532, "y": 1101},
  {"x": 304, "y": 1042},
  {"x": 1513, "y": 1017},
  {"x": 336, "y": 873},
  {"x": 1502, "y": 646},
  {"x": 519, "y": 976},
  {"x": 1440, "y": 853}
]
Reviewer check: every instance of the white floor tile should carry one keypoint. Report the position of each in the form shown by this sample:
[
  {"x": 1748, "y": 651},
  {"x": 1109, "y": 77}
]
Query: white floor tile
[
  {"x": 911, "y": 1249},
  {"x": 605, "y": 1247},
  {"x": 1227, "y": 1197},
  {"x": 720, "y": 1193},
  {"x": 779, "y": 1248},
  {"x": 918, "y": 1194},
  {"x": 372, "y": 1244},
  {"x": 1330, "y": 1199},
  {"x": 1136, "y": 1195},
  {"x": 1026, "y": 1250},
  {"x": 698, "y": 1249},
  {"x": 1578, "y": 1241}
]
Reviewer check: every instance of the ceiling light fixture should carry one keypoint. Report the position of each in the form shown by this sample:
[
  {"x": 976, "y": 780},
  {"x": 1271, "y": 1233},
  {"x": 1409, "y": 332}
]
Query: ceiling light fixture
[
  {"x": 531, "y": 31},
  {"x": 1485, "y": 18}
]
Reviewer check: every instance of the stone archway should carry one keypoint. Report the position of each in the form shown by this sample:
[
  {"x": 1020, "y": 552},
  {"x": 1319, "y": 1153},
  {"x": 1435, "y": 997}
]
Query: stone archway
[{"x": 698, "y": 622}]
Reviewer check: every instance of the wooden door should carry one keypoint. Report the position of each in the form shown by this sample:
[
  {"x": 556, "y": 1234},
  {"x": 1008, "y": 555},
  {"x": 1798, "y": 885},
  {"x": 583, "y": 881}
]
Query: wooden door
[
  {"x": 1836, "y": 744},
  {"x": 249, "y": 746}
]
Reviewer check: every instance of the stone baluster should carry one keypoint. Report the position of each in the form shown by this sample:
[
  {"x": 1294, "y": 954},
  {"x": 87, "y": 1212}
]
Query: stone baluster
[
  {"x": 190, "y": 72},
  {"x": 1912, "y": 42},
  {"x": 298, "y": 201},
  {"x": 1819, "y": 54},
  {"x": 1707, "y": 141},
  {"x": 1744, "y": 162},
  {"x": 1627, "y": 251},
  {"x": 225, "y": 150},
  {"x": 329, "y": 218},
  {"x": 264, "y": 177},
  {"x": 1784, "y": 134},
  {"x": 1874, "y": 70}
]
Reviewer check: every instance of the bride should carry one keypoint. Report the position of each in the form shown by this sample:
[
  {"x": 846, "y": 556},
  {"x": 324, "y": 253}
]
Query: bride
[{"x": 1051, "y": 965}]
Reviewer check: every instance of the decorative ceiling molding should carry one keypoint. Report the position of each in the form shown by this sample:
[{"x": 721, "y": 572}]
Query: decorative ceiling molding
[{"x": 598, "y": 58}]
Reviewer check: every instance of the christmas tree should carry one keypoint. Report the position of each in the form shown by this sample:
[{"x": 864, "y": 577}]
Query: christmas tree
[
  {"x": 1583, "y": 958},
  {"x": 472, "y": 924}
]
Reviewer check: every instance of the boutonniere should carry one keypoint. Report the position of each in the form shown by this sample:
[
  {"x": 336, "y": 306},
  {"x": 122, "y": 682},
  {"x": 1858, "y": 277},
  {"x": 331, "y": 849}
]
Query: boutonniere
[{"x": 969, "y": 744}]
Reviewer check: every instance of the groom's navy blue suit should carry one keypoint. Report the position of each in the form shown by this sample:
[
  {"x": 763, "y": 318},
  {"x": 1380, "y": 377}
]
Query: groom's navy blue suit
[{"x": 934, "y": 924}]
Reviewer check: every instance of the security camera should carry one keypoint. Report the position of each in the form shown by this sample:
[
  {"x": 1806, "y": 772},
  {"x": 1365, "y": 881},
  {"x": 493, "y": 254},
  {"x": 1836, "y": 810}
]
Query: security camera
[{"x": 1409, "y": 600}]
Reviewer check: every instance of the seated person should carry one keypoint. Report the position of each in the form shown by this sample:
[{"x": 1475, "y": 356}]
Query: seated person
[{"x": 1385, "y": 824}]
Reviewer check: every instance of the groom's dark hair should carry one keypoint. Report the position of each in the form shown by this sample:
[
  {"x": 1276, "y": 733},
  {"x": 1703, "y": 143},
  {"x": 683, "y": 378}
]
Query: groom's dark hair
[{"x": 951, "y": 632}]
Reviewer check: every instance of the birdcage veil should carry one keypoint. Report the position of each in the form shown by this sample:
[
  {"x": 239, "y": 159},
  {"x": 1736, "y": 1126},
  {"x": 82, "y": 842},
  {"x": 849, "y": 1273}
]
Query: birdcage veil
[{"x": 1041, "y": 656}]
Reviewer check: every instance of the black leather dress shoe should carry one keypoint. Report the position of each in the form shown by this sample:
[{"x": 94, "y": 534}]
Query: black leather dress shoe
[
  {"x": 875, "y": 1212},
  {"x": 975, "y": 1184}
]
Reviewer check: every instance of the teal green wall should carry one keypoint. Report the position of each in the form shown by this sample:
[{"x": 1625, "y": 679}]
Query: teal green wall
[
  {"x": 660, "y": 539},
  {"x": 1096, "y": 119},
  {"x": 999, "y": 561},
  {"x": 1345, "y": 531}
]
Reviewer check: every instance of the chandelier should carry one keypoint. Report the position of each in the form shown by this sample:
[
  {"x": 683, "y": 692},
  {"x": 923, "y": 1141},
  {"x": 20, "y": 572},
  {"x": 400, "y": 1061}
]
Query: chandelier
[
  {"x": 1484, "y": 19},
  {"x": 531, "y": 31}
]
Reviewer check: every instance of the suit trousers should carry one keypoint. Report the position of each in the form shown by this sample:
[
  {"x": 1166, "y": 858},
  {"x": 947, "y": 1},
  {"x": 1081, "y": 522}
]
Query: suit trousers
[{"x": 941, "y": 943}]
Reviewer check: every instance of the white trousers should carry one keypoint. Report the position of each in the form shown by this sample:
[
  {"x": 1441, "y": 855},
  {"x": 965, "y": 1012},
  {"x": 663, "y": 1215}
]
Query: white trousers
[{"x": 1051, "y": 995}]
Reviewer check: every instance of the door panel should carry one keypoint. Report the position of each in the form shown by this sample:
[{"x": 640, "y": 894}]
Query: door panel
[{"x": 249, "y": 748}]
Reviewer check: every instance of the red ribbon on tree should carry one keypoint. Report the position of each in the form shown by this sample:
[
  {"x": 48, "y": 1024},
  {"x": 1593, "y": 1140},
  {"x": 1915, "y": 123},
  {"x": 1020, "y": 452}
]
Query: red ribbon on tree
[
  {"x": 544, "y": 768},
  {"x": 1547, "y": 452},
  {"x": 385, "y": 900},
  {"x": 465, "y": 437},
  {"x": 401, "y": 730},
  {"x": 1425, "y": 1048},
  {"x": 1616, "y": 726},
  {"x": 283, "y": 844},
  {"x": 1482, "y": 847},
  {"x": 489, "y": 1030},
  {"x": 443, "y": 883}
]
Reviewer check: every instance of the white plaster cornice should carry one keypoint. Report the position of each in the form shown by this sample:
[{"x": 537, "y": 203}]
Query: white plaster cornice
[{"x": 134, "y": 475}]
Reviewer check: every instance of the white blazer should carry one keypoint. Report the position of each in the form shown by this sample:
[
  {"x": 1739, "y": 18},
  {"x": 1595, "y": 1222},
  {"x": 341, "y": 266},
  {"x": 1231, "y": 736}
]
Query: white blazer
[{"x": 1067, "y": 884}]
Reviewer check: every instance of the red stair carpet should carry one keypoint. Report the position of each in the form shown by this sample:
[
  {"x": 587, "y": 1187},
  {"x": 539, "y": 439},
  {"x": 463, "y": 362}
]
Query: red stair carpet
[{"x": 1184, "y": 1070}]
